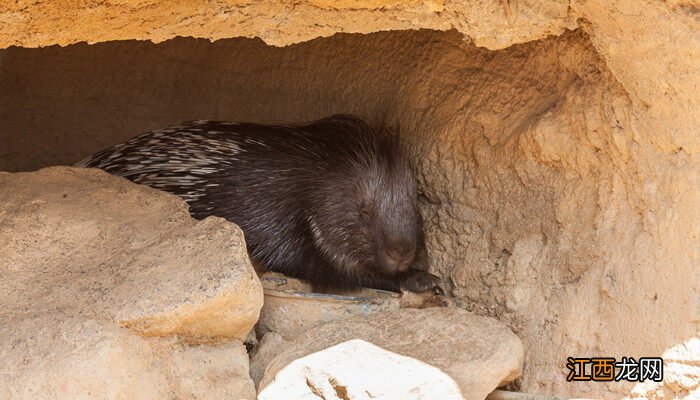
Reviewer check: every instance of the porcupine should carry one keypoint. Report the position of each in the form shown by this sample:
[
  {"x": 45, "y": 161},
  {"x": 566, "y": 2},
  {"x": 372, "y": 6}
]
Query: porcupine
[{"x": 333, "y": 202}]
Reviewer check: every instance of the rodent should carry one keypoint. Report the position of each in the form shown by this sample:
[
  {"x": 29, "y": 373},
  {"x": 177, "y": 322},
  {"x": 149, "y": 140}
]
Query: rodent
[{"x": 333, "y": 202}]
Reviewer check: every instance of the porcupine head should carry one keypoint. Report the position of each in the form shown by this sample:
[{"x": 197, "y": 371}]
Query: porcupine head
[{"x": 366, "y": 218}]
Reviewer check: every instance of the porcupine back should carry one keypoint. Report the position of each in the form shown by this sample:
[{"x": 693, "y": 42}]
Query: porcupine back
[{"x": 325, "y": 201}]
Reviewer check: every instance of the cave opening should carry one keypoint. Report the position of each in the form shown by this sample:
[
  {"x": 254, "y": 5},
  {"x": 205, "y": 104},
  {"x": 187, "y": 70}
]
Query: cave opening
[{"x": 522, "y": 153}]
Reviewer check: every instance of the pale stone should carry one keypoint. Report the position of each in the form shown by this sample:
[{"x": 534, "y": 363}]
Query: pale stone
[
  {"x": 212, "y": 372},
  {"x": 476, "y": 353},
  {"x": 359, "y": 370},
  {"x": 269, "y": 346},
  {"x": 101, "y": 275},
  {"x": 292, "y": 308},
  {"x": 681, "y": 375}
]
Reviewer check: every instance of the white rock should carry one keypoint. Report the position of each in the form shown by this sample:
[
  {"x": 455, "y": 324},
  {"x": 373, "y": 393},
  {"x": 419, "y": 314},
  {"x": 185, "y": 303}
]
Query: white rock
[
  {"x": 360, "y": 370},
  {"x": 432, "y": 353}
]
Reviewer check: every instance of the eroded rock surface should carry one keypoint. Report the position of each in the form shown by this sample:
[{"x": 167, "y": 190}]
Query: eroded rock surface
[
  {"x": 492, "y": 22},
  {"x": 111, "y": 289},
  {"x": 476, "y": 353}
]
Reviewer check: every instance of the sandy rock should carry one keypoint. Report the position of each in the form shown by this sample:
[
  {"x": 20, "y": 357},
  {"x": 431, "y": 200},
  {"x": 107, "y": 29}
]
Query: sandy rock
[
  {"x": 211, "y": 372},
  {"x": 97, "y": 270},
  {"x": 477, "y": 353},
  {"x": 267, "y": 349},
  {"x": 73, "y": 359},
  {"x": 224, "y": 302},
  {"x": 491, "y": 23},
  {"x": 292, "y": 308}
]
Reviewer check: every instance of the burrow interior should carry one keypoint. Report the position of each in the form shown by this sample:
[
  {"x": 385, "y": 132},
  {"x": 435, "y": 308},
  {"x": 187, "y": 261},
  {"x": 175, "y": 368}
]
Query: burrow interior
[{"x": 529, "y": 168}]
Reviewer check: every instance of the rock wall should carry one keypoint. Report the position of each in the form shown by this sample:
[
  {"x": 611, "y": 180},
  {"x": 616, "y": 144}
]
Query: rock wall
[
  {"x": 491, "y": 23},
  {"x": 560, "y": 176}
]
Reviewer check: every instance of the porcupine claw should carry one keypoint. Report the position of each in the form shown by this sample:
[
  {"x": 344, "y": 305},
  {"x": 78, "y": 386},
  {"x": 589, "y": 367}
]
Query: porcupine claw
[
  {"x": 421, "y": 281},
  {"x": 438, "y": 290}
]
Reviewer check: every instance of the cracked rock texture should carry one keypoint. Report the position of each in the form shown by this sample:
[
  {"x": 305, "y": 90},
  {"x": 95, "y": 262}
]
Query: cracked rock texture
[
  {"x": 111, "y": 290},
  {"x": 559, "y": 170}
]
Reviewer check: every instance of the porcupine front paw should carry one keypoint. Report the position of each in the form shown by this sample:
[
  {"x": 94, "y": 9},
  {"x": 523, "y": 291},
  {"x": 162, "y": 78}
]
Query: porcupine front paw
[{"x": 421, "y": 281}]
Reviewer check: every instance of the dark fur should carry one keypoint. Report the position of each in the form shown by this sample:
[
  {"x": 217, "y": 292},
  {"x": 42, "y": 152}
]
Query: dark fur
[{"x": 333, "y": 202}]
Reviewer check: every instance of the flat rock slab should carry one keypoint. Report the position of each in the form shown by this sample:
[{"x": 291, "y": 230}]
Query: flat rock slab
[
  {"x": 477, "y": 353},
  {"x": 99, "y": 276}
]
